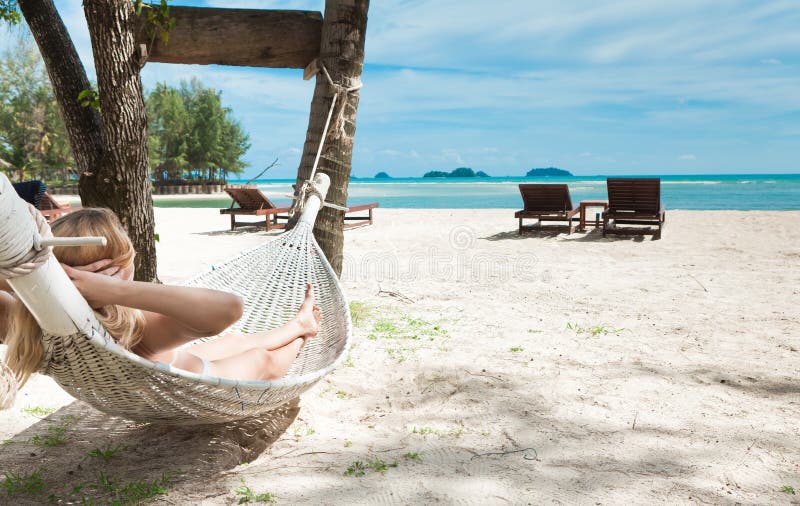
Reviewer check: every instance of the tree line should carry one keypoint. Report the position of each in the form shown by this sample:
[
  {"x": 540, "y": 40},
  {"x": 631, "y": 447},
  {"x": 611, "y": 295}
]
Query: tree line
[{"x": 192, "y": 136}]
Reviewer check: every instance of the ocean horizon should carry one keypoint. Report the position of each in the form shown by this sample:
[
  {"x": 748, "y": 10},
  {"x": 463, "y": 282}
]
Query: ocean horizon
[{"x": 690, "y": 192}]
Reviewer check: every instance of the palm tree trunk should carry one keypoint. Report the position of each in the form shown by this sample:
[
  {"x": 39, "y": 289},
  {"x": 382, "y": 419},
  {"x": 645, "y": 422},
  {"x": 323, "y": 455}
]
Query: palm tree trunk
[
  {"x": 344, "y": 28},
  {"x": 121, "y": 178}
]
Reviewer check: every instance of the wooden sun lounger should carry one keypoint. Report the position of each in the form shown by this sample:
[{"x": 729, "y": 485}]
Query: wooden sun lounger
[
  {"x": 51, "y": 209},
  {"x": 634, "y": 201},
  {"x": 252, "y": 202},
  {"x": 546, "y": 202},
  {"x": 359, "y": 221},
  {"x": 34, "y": 192}
]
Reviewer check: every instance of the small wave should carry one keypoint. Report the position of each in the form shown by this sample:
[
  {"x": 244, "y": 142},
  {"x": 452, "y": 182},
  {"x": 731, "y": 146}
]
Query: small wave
[{"x": 690, "y": 182}]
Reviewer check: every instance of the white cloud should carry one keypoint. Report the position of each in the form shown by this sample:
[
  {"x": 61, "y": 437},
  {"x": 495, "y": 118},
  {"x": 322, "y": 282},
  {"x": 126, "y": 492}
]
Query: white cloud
[
  {"x": 663, "y": 92},
  {"x": 534, "y": 79},
  {"x": 688, "y": 157},
  {"x": 451, "y": 155},
  {"x": 420, "y": 33}
]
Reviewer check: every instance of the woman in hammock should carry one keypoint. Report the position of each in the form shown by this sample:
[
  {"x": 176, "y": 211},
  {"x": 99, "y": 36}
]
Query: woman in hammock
[{"x": 154, "y": 320}]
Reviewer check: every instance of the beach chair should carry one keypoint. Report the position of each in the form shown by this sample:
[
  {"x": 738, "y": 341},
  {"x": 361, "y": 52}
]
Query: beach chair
[
  {"x": 35, "y": 193},
  {"x": 546, "y": 202},
  {"x": 634, "y": 201},
  {"x": 251, "y": 202},
  {"x": 359, "y": 221},
  {"x": 51, "y": 209}
]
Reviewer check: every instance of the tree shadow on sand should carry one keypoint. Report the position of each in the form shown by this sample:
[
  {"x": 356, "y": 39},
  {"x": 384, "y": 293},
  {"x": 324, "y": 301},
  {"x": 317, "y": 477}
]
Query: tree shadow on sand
[
  {"x": 750, "y": 384},
  {"x": 593, "y": 235},
  {"x": 74, "y": 445},
  {"x": 573, "y": 462},
  {"x": 576, "y": 457},
  {"x": 513, "y": 235},
  {"x": 596, "y": 235}
]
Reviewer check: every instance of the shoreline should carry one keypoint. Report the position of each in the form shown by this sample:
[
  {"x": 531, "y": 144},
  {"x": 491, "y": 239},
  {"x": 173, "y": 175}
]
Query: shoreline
[
  {"x": 281, "y": 200},
  {"x": 765, "y": 193}
]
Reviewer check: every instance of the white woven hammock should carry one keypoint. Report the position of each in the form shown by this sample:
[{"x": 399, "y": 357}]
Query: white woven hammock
[{"x": 271, "y": 279}]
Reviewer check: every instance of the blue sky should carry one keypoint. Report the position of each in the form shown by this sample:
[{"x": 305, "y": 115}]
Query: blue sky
[{"x": 613, "y": 87}]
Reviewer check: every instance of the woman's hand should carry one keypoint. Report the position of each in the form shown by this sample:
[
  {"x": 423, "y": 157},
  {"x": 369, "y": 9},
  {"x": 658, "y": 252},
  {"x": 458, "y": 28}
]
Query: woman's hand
[
  {"x": 95, "y": 287},
  {"x": 106, "y": 268}
]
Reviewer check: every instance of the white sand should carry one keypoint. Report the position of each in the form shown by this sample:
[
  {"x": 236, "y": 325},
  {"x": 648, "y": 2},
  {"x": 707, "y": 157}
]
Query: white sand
[{"x": 679, "y": 386}]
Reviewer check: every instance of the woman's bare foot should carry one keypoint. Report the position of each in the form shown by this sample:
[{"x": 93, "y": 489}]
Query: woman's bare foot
[{"x": 309, "y": 315}]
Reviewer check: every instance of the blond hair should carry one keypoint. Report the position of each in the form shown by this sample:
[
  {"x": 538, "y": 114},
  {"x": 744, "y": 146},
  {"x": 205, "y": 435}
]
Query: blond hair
[{"x": 24, "y": 336}]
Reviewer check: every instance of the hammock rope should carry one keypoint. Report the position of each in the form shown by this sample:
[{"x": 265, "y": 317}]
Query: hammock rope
[
  {"x": 22, "y": 251},
  {"x": 340, "y": 95},
  {"x": 19, "y": 261}
]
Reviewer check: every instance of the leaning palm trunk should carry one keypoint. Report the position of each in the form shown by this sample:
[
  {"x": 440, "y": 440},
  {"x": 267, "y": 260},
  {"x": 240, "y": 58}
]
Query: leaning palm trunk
[{"x": 343, "y": 34}]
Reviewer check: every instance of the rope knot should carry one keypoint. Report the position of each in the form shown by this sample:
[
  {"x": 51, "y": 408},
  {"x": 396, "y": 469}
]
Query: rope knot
[
  {"x": 341, "y": 95},
  {"x": 25, "y": 262},
  {"x": 301, "y": 194},
  {"x": 337, "y": 130}
]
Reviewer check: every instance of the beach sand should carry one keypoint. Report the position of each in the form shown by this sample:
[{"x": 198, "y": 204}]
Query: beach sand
[{"x": 634, "y": 372}]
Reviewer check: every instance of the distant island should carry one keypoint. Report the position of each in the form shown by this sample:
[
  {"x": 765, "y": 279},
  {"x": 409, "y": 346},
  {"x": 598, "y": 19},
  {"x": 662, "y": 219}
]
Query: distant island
[
  {"x": 459, "y": 172},
  {"x": 382, "y": 175},
  {"x": 548, "y": 171}
]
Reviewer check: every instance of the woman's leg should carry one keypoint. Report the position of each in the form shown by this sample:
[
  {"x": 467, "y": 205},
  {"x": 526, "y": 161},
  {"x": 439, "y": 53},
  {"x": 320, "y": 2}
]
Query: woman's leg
[
  {"x": 157, "y": 345},
  {"x": 255, "y": 364},
  {"x": 235, "y": 343},
  {"x": 304, "y": 324}
]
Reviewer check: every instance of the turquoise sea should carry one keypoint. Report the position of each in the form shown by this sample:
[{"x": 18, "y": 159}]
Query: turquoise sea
[{"x": 739, "y": 192}]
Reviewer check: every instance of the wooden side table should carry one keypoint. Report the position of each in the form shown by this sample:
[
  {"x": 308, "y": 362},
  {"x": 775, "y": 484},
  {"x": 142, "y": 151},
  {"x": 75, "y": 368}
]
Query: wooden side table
[{"x": 590, "y": 203}]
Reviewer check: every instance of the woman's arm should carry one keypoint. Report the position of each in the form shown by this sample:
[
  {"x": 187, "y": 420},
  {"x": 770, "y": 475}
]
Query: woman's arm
[{"x": 199, "y": 311}]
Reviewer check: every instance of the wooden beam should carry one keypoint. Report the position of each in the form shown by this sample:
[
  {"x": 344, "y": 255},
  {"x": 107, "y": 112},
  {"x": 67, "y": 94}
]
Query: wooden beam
[{"x": 241, "y": 37}]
